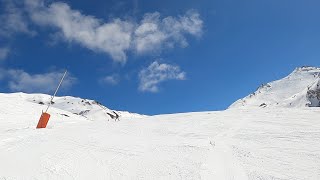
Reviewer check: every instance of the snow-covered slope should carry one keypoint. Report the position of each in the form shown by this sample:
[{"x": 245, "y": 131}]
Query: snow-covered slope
[
  {"x": 80, "y": 142},
  {"x": 237, "y": 144},
  {"x": 299, "y": 89},
  {"x": 89, "y": 109}
]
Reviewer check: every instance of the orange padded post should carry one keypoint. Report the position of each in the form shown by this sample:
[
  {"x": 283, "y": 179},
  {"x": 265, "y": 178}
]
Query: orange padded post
[{"x": 43, "y": 120}]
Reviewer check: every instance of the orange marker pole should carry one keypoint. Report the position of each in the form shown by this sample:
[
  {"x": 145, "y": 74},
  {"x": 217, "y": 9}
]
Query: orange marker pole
[{"x": 44, "y": 119}]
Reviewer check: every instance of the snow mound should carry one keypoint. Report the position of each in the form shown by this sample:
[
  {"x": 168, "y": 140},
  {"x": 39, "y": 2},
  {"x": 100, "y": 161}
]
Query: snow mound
[
  {"x": 89, "y": 109},
  {"x": 299, "y": 89}
]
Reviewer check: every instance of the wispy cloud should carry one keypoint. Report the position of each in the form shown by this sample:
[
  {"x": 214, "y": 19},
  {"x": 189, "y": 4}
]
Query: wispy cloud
[
  {"x": 4, "y": 52},
  {"x": 19, "y": 80},
  {"x": 116, "y": 37},
  {"x": 112, "y": 38},
  {"x": 111, "y": 80},
  {"x": 155, "y": 33},
  {"x": 155, "y": 73},
  {"x": 14, "y": 20}
]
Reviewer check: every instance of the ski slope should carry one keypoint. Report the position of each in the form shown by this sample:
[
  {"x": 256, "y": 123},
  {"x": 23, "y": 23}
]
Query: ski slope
[{"x": 239, "y": 144}]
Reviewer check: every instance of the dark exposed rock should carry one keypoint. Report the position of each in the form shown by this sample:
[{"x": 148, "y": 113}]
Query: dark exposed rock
[
  {"x": 65, "y": 115},
  {"x": 263, "y": 105}
]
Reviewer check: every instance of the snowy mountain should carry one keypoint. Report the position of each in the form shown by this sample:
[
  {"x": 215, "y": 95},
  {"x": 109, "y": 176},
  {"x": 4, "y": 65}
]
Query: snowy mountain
[
  {"x": 299, "y": 89},
  {"x": 82, "y": 142},
  {"x": 89, "y": 109}
]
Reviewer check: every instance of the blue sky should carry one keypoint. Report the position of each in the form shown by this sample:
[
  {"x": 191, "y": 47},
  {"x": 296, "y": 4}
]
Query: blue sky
[{"x": 155, "y": 57}]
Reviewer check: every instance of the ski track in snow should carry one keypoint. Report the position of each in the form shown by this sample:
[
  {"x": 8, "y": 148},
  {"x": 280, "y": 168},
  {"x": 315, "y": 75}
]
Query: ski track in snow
[{"x": 240, "y": 144}]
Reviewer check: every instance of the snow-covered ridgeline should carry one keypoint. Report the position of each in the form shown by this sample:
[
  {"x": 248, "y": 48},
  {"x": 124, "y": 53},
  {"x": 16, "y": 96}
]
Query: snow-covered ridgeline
[
  {"x": 89, "y": 109},
  {"x": 299, "y": 89}
]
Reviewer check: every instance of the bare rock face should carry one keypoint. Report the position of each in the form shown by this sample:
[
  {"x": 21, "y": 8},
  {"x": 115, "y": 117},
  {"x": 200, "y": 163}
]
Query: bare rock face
[{"x": 313, "y": 95}]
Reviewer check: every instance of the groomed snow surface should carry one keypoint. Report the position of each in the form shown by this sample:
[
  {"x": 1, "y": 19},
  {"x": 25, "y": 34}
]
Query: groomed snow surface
[
  {"x": 247, "y": 141},
  {"x": 231, "y": 144}
]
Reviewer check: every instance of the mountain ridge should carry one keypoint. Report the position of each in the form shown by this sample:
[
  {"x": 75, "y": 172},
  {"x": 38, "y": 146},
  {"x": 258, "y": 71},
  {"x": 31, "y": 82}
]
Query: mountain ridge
[
  {"x": 299, "y": 89},
  {"x": 87, "y": 108}
]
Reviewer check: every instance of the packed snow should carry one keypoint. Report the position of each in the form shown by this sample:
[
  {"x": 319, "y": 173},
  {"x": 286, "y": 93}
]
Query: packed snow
[{"x": 245, "y": 143}]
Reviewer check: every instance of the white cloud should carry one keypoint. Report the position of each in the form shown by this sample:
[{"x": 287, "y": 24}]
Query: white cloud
[
  {"x": 148, "y": 35},
  {"x": 4, "y": 52},
  {"x": 113, "y": 38},
  {"x": 13, "y": 20},
  {"x": 20, "y": 80},
  {"x": 112, "y": 79},
  {"x": 156, "y": 73},
  {"x": 155, "y": 33},
  {"x": 117, "y": 36}
]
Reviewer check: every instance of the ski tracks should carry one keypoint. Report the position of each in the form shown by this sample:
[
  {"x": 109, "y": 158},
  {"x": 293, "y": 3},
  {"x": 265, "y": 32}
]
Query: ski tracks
[{"x": 222, "y": 162}]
